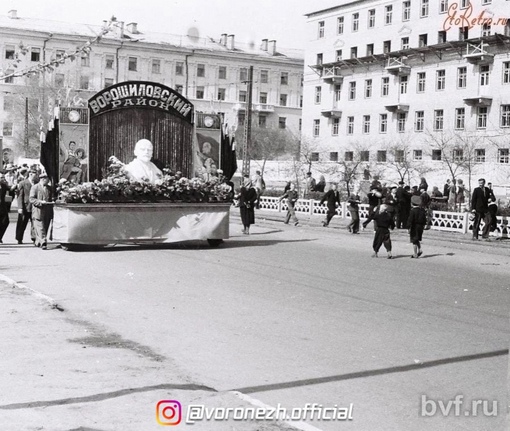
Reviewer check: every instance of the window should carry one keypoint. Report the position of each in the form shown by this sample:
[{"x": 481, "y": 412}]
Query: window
[
  {"x": 335, "y": 126},
  {"x": 366, "y": 124},
  {"x": 35, "y": 54},
  {"x": 463, "y": 33},
  {"x": 301, "y": 101},
  {"x": 441, "y": 36},
  {"x": 109, "y": 61},
  {"x": 460, "y": 118},
  {"x": 406, "y": 11},
  {"x": 10, "y": 51},
  {"x": 370, "y": 49},
  {"x": 338, "y": 54},
  {"x": 222, "y": 72},
  {"x": 484, "y": 75},
  {"x": 240, "y": 118},
  {"x": 436, "y": 155},
  {"x": 350, "y": 125},
  {"x": 364, "y": 156},
  {"x": 321, "y": 30},
  {"x": 333, "y": 156},
  {"x": 387, "y": 46},
  {"x": 403, "y": 84},
  {"x": 132, "y": 64},
  {"x": 371, "y": 18},
  {"x": 440, "y": 80},
  {"x": 243, "y": 74},
  {"x": 262, "y": 121},
  {"x": 283, "y": 100},
  {"x": 422, "y": 40},
  {"x": 504, "y": 155},
  {"x": 320, "y": 59},
  {"x": 201, "y": 70},
  {"x": 318, "y": 95},
  {"x": 338, "y": 92},
  {"x": 284, "y": 78},
  {"x": 221, "y": 93},
  {"x": 85, "y": 60},
  {"x": 404, "y": 43},
  {"x": 355, "y": 22},
  {"x": 461, "y": 77},
  {"x": 479, "y": 155},
  {"x": 60, "y": 80},
  {"x": 156, "y": 66},
  {"x": 417, "y": 155},
  {"x": 388, "y": 14},
  {"x": 340, "y": 25},
  {"x": 352, "y": 90},
  {"x": 368, "y": 88},
  {"x": 314, "y": 157},
  {"x": 481, "y": 120},
  {"x": 300, "y": 124},
  {"x": 242, "y": 96},
  {"x": 443, "y": 6},
  {"x": 385, "y": 86},
  {"x": 349, "y": 156},
  {"x": 354, "y": 52},
  {"x": 401, "y": 122},
  {"x": 421, "y": 79},
  {"x": 10, "y": 79},
  {"x": 200, "y": 92},
  {"x": 424, "y": 8},
  {"x": 486, "y": 29},
  {"x": 264, "y": 76},
  {"x": 505, "y": 116},
  {"x": 8, "y": 103},
  {"x": 84, "y": 82},
  {"x": 383, "y": 123},
  {"x": 458, "y": 155},
  {"x": 438, "y": 119},
  {"x": 506, "y": 72},
  {"x": 179, "y": 68},
  {"x": 108, "y": 82},
  {"x": 381, "y": 156},
  {"x": 419, "y": 121},
  {"x": 7, "y": 128},
  {"x": 316, "y": 127},
  {"x": 282, "y": 122},
  {"x": 263, "y": 97},
  {"x": 400, "y": 156},
  {"x": 59, "y": 53}
]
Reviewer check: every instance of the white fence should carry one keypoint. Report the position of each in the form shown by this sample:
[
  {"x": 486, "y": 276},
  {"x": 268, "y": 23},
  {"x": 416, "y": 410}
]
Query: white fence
[{"x": 461, "y": 222}]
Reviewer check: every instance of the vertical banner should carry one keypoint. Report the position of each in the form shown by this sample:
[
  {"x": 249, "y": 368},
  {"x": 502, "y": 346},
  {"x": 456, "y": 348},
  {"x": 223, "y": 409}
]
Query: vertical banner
[
  {"x": 73, "y": 144},
  {"x": 207, "y": 147}
]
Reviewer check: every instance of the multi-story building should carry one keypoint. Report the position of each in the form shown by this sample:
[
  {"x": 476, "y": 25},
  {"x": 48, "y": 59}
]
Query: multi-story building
[
  {"x": 212, "y": 74},
  {"x": 411, "y": 88}
]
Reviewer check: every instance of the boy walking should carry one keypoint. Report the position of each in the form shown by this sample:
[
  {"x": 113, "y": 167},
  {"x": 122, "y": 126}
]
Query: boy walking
[
  {"x": 416, "y": 224},
  {"x": 385, "y": 222},
  {"x": 292, "y": 196}
]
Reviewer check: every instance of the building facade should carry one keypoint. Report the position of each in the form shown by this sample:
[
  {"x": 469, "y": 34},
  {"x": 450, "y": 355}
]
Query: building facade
[
  {"x": 211, "y": 73},
  {"x": 411, "y": 88}
]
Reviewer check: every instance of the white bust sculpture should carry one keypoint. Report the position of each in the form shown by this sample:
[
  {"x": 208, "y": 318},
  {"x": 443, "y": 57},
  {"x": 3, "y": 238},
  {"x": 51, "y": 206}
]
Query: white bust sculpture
[{"x": 141, "y": 168}]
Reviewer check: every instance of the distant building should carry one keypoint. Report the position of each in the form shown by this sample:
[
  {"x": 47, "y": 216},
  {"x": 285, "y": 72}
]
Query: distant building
[
  {"x": 400, "y": 84},
  {"x": 211, "y": 73}
]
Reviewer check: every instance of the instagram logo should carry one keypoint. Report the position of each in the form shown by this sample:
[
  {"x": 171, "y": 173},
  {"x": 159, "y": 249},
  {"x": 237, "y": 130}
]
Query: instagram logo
[{"x": 168, "y": 412}]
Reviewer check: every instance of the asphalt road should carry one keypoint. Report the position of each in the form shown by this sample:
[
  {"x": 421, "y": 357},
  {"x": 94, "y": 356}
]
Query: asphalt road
[{"x": 292, "y": 316}]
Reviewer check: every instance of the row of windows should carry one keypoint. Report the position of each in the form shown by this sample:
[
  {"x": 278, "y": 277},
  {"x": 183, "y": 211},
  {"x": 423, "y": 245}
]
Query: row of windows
[
  {"x": 438, "y": 123},
  {"x": 399, "y": 156},
  {"x": 389, "y": 14}
]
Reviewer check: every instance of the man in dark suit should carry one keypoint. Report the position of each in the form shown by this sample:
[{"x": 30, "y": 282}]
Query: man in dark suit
[
  {"x": 25, "y": 207},
  {"x": 333, "y": 199},
  {"x": 42, "y": 210},
  {"x": 480, "y": 208}
]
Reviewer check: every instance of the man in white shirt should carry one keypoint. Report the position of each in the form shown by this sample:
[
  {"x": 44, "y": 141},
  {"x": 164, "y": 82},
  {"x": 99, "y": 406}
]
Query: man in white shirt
[{"x": 141, "y": 168}]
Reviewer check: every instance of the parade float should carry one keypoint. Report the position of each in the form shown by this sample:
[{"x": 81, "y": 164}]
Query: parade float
[{"x": 187, "y": 200}]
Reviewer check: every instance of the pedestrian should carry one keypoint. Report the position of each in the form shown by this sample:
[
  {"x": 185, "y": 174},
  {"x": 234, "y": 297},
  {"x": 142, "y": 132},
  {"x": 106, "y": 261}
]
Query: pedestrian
[
  {"x": 247, "y": 198},
  {"x": 416, "y": 225},
  {"x": 5, "y": 206},
  {"x": 25, "y": 207},
  {"x": 374, "y": 200},
  {"x": 493, "y": 211},
  {"x": 480, "y": 208},
  {"x": 332, "y": 197},
  {"x": 353, "y": 208},
  {"x": 321, "y": 185},
  {"x": 42, "y": 210},
  {"x": 423, "y": 184},
  {"x": 309, "y": 185},
  {"x": 436, "y": 193},
  {"x": 292, "y": 196},
  {"x": 460, "y": 195},
  {"x": 446, "y": 188},
  {"x": 402, "y": 197},
  {"x": 259, "y": 185},
  {"x": 382, "y": 235}
]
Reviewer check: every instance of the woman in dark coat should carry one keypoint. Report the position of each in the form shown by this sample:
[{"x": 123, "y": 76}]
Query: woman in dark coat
[
  {"x": 5, "y": 206},
  {"x": 247, "y": 198}
]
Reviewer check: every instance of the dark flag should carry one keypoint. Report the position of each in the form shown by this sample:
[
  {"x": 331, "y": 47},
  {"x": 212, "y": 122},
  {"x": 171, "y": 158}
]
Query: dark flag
[
  {"x": 50, "y": 151},
  {"x": 228, "y": 154}
]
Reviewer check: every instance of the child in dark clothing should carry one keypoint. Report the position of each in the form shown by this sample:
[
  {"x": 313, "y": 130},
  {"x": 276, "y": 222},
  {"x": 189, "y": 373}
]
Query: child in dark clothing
[
  {"x": 385, "y": 222},
  {"x": 416, "y": 223}
]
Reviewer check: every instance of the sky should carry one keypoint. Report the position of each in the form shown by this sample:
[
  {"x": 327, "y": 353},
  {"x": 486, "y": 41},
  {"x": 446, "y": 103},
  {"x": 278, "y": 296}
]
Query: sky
[{"x": 249, "y": 20}]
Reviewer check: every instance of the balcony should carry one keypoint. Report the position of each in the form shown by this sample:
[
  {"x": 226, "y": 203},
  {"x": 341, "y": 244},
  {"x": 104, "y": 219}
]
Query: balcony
[
  {"x": 263, "y": 107},
  {"x": 476, "y": 54},
  {"x": 478, "y": 101},
  {"x": 241, "y": 106},
  {"x": 397, "y": 67},
  {"x": 332, "y": 112},
  {"x": 397, "y": 108},
  {"x": 332, "y": 75}
]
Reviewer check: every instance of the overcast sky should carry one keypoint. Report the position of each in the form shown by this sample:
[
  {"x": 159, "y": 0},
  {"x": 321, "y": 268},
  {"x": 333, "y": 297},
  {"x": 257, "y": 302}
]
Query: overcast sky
[{"x": 249, "y": 20}]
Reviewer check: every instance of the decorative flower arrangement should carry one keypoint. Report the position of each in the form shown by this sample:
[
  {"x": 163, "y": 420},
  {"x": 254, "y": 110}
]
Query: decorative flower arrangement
[{"x": 117, "y": 187}]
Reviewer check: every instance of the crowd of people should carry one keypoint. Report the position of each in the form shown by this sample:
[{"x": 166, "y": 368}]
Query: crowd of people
[{"x": 29, "y": 187}]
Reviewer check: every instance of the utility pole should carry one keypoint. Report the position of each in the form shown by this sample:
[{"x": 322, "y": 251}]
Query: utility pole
[
  {"x": 26, "y": 127},
  {"x": 247, "y": 125}
]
